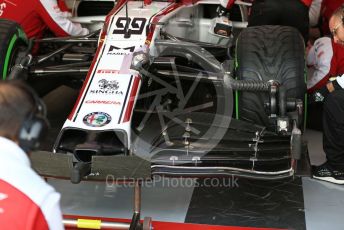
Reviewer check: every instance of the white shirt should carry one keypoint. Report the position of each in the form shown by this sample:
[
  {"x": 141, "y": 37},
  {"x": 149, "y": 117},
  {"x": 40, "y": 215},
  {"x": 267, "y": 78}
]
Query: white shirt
[{"x": 18, "y": 181}]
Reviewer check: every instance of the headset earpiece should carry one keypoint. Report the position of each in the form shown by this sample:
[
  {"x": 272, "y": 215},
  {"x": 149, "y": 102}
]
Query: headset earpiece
[{"x": 31, "y": 133}]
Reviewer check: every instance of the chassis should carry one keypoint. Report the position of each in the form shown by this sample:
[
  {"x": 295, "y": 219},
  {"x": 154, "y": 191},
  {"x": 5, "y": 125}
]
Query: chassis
[{"x": 157, "y": 83}]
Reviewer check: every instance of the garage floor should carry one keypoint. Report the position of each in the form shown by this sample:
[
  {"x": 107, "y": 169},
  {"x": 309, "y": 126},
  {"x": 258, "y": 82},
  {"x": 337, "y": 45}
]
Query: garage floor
[{"x": 302, "y": 203}]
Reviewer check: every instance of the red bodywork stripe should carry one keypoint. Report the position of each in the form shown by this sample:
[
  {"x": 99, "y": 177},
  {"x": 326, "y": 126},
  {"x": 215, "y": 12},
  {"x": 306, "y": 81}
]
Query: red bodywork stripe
[{"x": 132, "y": 97}]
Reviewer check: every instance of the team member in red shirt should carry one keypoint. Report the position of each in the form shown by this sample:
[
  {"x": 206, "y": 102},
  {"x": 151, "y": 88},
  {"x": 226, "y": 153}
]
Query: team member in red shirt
[
  {"x": 35, "y": 16},
  {"x": 333, "y": 110},
  {"x": 26, "y": 200},
  {"x": 326, "y": 59}
]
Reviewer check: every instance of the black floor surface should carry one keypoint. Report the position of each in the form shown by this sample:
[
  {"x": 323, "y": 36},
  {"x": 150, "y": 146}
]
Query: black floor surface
[{"x": 250, "y": 203}]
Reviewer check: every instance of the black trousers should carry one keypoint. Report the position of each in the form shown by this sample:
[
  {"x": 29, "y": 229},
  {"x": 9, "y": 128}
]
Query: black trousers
[
  {"x": 280, "y": 12},
  {"x": 333, "y": 129}
]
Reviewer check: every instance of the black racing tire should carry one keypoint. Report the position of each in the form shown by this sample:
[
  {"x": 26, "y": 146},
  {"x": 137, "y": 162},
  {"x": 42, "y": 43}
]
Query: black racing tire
[
  {"x": 13, "y": 41},
  {"x": 268, "y": 53}
]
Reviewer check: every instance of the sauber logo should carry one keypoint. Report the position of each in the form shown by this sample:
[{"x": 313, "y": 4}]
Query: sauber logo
[
  {"x": 107, "y": 88},
  {"x": 114, "y": 50},
  {"x": 107, "y": 71},
  {"x": 137, "y": 26},
  {"x": 103, "y": 102}
]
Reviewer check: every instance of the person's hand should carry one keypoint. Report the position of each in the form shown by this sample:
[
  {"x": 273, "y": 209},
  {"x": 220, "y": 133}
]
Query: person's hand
[
  {"x": 330, "y": 87},
  {"x": 66, "y": 14}
]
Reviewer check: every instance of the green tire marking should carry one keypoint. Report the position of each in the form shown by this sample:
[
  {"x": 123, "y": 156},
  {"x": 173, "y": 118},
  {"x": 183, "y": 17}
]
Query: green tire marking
[
  {"x": 22, "y": 35},
  {"x": 8, "y": 55},
  {"x": 237, "y": 104}
]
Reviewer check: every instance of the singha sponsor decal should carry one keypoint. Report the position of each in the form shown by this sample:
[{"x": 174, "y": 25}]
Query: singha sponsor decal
[
  {"x": 105, "y": 84},
  {"x": 106, "y": 87}
]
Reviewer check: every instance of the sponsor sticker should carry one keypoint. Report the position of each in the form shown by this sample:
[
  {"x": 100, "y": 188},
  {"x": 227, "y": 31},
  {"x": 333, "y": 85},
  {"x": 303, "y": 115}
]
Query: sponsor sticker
[
  {"x": 137, "y": 26},
  {"x": 107, "y": 71},
  {"x": 114, "y": 50},
  {"x": 105, "y": 84},
  {"x": 97, "y": 119},
  {"x": 103, "y": 102},
  {"x": 106, "y": 87}
]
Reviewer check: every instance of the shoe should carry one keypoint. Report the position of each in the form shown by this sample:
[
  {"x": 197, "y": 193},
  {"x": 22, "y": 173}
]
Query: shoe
[
  {"x": 326, "y": 173},
  {"x": 316, "y": 97}
]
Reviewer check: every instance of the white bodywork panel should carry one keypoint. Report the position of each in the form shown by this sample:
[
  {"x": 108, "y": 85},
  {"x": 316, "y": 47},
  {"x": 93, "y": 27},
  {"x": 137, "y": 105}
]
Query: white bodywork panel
[{"x": 111, "y": 85}]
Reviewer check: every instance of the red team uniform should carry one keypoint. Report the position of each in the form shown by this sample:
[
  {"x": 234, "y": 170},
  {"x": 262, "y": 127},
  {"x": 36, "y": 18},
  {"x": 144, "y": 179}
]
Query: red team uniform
[{"x": 35, "y": 16}]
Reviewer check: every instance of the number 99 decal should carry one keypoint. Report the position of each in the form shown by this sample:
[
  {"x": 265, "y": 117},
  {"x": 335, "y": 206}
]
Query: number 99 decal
[{"x": 137, "y": 26}]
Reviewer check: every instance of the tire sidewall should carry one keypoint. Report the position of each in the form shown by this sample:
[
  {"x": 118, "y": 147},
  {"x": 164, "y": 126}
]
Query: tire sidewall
[{"x": 12, "y": 38}]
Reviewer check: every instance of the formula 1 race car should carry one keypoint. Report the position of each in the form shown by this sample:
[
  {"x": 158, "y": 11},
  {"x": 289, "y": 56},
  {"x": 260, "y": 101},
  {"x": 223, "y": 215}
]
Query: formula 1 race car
[{"x": 174, "y": 83}]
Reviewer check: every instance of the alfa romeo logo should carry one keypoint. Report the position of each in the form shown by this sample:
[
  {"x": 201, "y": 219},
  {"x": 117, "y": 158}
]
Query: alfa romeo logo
[{"x": 97, "y": 119}]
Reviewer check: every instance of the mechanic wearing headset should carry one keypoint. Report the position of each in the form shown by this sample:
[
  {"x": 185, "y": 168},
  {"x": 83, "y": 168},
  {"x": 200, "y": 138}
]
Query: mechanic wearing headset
[
  {"x": 333, "y": 109},
  {"x": 26, "y": 200},
  {"x": 278, "y": 12},
  {"x": 35, "y": 16}
]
